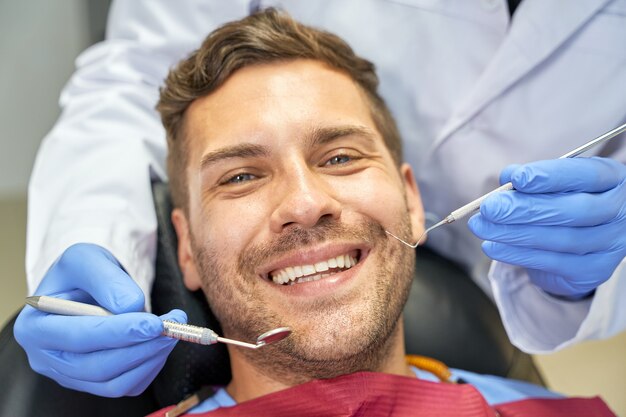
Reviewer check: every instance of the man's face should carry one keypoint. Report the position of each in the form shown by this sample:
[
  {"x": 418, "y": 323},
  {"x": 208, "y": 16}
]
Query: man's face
[{"x": 290, "y": 190}]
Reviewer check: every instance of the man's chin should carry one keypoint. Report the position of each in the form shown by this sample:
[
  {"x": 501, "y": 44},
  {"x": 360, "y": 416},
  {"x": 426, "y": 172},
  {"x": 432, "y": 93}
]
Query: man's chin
[{"x": 321, "y": 356}]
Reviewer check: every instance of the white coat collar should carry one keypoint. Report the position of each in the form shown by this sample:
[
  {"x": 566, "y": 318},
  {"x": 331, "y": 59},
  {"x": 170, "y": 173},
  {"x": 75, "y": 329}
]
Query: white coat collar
[{"x": 539, "y": 28}]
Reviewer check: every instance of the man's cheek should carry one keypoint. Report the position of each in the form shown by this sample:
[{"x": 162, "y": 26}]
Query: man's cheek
[
  {"x": 381, "y": 205},
  {"x": 232, "y": 226},
  {"x": 376, "y": 190}
]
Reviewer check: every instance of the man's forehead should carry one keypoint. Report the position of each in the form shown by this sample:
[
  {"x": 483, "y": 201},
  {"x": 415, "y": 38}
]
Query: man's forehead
[{"x": 295, "y": 95}]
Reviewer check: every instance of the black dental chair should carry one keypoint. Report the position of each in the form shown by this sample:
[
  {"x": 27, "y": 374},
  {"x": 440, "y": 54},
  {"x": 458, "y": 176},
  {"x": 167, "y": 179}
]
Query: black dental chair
[{"x": 447, "y": 317}]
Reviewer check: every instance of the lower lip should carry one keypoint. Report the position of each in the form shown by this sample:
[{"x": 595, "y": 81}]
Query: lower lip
[{"x": 323, "y": 286}]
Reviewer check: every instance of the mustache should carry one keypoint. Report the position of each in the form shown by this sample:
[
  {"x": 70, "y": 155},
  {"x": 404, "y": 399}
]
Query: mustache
[{"x": 327, "y": 229}]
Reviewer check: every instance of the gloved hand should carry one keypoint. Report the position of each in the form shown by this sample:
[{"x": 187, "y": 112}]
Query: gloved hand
[
  {"x": 108, "y": 356},
  {"x": 566, "y": 223}
]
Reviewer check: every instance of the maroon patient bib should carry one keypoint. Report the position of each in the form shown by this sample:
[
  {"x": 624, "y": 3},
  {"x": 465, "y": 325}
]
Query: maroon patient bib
[{"x": 377, "y": 395}]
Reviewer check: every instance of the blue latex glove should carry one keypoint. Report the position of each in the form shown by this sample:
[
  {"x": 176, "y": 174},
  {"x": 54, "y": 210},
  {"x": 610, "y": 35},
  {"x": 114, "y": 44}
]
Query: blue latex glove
[
  {"x": 566, "y": 223},
  {"x": 108, "y": 356}
]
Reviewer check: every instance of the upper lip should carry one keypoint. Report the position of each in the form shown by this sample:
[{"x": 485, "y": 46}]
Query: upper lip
[{"x": 310, "y": 256}]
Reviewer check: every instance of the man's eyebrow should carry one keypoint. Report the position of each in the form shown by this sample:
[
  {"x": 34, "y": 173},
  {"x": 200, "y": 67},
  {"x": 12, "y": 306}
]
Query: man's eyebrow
[
  {"x": 318, "y": 136},
  {"x": 244, "y": 150},
  {"x": 322, "y": 135}
]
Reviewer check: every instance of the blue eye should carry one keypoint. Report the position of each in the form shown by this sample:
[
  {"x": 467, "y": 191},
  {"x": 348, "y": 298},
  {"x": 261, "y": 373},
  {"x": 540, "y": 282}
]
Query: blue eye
[
  {"x": 339, "y": 159},
  {"x": 239, "y": 178}
]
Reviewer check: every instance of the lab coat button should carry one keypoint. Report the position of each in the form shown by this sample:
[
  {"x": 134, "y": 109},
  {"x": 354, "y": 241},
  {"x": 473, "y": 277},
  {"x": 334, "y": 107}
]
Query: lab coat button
[{"x": 490, "y": 5}]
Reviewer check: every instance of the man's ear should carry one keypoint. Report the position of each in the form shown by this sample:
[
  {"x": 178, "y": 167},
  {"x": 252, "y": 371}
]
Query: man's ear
[
  {"x": 186, "y": 260},
  {"x": 414, "y": 200}
]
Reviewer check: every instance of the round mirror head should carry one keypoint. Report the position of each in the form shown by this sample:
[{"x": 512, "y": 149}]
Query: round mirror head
[{"x": 273, "y": 336}]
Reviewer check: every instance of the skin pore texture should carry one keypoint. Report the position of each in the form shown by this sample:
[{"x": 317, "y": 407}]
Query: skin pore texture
[{"x": 288, "y": 172}]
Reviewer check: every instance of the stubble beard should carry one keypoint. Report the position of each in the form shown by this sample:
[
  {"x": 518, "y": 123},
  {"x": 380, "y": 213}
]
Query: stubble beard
[{"x": 342, "y": 344}]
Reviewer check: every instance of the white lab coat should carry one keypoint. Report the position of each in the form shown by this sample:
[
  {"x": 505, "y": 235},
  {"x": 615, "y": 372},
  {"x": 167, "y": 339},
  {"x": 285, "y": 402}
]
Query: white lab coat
[{"x": 471, "y": 90}]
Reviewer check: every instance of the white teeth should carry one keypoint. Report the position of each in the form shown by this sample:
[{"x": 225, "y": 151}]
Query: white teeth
[
  {"x": 306, "y": 273},
  {"x": 321, "y": 266},
  {"x": 298, "y": 271},
  {"x": 308, "y": 269}
]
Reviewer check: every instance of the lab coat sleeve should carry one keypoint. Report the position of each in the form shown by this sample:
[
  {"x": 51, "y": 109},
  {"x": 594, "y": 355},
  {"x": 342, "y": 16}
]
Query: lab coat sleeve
[
  {"x": 540, "y": 323},
  {"x": 92, "y": 174}
]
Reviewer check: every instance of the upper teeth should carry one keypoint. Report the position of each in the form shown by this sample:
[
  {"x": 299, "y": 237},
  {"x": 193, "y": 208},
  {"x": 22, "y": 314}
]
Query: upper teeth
[{"x": 304, "y": 273}]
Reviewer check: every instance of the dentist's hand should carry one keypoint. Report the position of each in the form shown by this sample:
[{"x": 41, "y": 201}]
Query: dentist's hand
[
  {"x": 566, "y": 223},
  {"x": 108, "y": 356}
]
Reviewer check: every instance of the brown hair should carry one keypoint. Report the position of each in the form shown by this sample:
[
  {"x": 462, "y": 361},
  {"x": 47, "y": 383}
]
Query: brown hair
[{"x": 264, "y": 37}]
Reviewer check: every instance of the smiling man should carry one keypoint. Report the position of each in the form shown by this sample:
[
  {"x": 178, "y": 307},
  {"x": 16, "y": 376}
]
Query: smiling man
[
  {"x": 286, "y": 169},
  {"x": 290, "y": 190}
]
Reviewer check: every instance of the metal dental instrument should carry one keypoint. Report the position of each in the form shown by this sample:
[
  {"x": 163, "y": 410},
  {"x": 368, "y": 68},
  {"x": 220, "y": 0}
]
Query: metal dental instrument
[
  {"x": 186, "y": 332},
  {"x": 475, "y": 205}
]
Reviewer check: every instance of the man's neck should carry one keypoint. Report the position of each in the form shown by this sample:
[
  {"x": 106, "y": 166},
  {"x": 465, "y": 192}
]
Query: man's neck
[{"x": 248, "y": 382}]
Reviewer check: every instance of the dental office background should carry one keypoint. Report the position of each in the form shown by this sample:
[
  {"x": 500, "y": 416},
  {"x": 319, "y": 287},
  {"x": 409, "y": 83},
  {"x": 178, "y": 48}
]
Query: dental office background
[{"x": 39, "y": 40}]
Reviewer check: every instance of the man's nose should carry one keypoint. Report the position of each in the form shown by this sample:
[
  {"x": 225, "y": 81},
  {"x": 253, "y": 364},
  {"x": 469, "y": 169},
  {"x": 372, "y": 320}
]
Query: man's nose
[{"x": 303, "y": 198}]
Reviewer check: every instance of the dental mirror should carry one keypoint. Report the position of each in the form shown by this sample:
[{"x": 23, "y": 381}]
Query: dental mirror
[{"x": 272, "y": 336}]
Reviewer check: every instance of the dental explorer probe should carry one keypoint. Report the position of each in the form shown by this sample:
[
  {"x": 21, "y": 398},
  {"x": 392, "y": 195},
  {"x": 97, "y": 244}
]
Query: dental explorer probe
[
  {"x": 475, "y": 205},
  {"x": 186, "y": 332}
]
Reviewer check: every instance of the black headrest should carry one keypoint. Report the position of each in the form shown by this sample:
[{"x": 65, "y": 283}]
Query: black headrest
[{"x": 190, "y": 365}]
